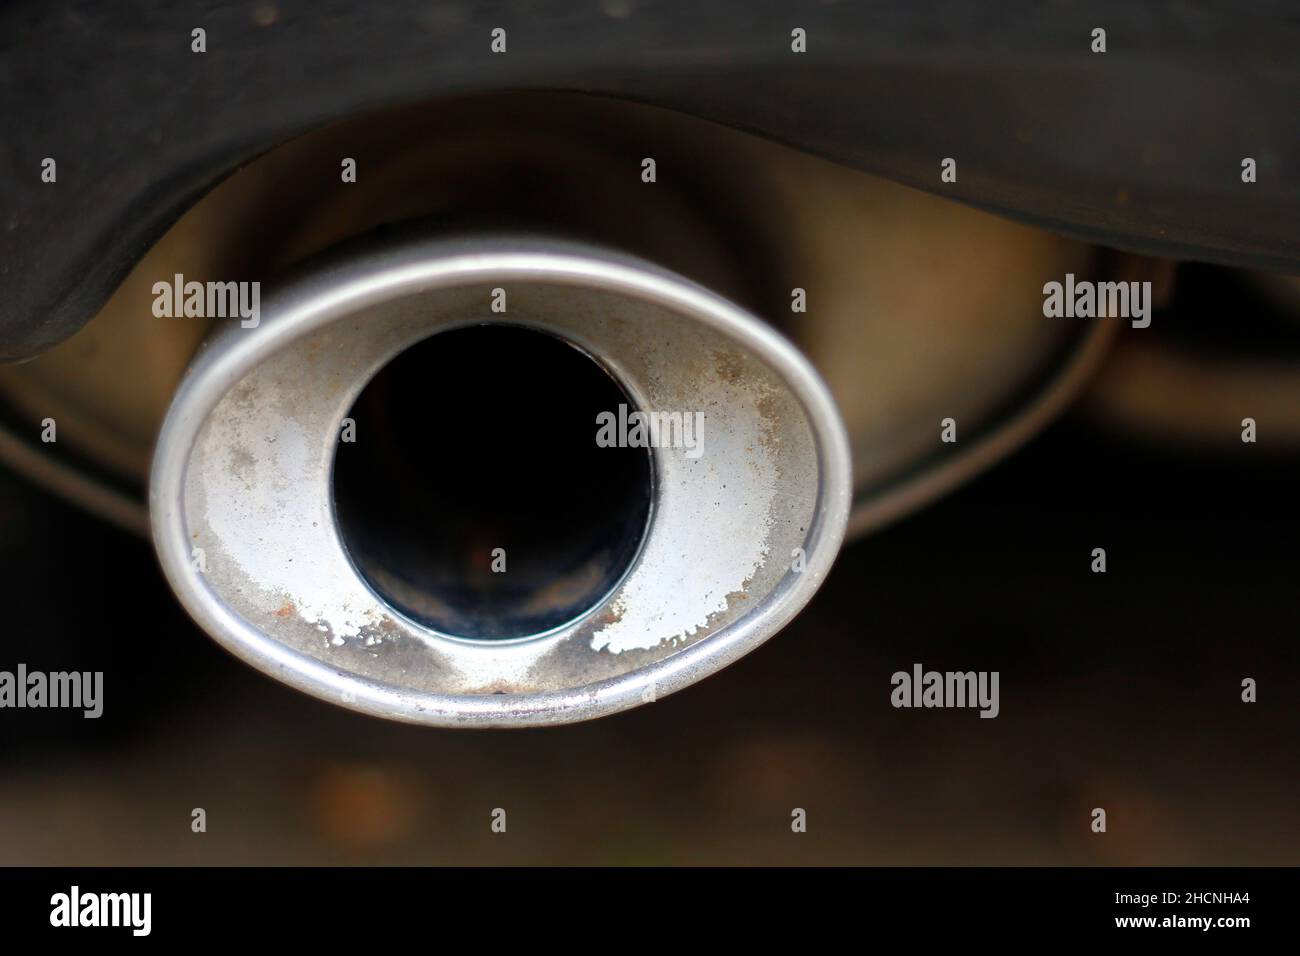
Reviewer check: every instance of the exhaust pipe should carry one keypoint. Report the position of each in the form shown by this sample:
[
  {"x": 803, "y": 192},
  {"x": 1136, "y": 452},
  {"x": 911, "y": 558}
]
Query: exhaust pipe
[{"x": 497, "y": 482}]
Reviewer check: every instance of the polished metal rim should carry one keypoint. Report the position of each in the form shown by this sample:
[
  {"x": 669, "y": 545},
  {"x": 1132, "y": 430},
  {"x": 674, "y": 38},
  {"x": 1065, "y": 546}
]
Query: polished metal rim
[{"x": 341, "y": 290}]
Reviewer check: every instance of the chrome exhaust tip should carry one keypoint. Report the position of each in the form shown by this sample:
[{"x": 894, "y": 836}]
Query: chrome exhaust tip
[{"x": 270, "y": 529}]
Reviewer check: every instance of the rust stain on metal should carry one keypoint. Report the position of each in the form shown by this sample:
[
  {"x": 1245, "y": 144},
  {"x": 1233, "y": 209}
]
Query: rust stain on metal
[{"x": 729, "y": 366}]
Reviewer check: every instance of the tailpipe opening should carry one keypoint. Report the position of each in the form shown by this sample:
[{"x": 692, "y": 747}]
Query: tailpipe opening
[{"x": 478, "y": 503}]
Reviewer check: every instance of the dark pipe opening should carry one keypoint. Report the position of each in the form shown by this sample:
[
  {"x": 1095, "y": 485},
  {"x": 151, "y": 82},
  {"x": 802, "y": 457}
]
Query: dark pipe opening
[{"x": 474, "y": 497}]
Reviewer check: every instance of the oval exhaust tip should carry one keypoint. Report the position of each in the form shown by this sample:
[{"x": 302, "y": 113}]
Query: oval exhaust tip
[{"x": 497, "y": 482}]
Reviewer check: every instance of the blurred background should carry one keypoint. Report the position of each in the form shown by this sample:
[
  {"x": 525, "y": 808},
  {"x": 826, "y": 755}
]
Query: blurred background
[{"x": 1118, "y": 690}]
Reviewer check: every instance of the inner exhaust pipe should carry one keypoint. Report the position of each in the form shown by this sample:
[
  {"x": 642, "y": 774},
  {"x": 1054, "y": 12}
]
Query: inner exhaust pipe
[{"x": 497, "y": 482}]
